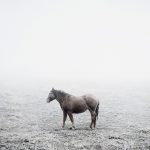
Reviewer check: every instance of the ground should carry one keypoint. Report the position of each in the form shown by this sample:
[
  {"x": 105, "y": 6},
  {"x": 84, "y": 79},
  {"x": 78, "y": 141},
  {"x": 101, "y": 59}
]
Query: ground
[{"x": 28, "y": 122}]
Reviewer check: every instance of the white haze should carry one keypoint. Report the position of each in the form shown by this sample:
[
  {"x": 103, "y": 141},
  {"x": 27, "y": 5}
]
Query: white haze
[{"x": 74, "y": 40}]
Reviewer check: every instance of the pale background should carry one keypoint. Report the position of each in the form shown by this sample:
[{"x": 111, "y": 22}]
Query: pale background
[{"x": 74, "y": 40}]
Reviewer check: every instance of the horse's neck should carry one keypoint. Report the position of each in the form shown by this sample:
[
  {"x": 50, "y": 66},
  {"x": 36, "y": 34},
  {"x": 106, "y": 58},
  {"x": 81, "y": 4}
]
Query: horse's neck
[{"x": 60, "y": 98}]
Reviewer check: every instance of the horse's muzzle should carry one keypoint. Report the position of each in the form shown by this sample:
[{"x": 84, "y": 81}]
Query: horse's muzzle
[{"x": 47, "y": 100}]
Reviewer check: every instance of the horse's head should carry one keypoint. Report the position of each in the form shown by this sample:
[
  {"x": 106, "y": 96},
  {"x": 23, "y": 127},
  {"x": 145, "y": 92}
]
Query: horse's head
[{"x": 51, "y": 96}]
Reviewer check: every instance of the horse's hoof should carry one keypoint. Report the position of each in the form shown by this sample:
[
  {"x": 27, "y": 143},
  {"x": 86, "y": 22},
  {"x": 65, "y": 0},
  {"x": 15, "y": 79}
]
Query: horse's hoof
[{"x": 72, "y": 128}]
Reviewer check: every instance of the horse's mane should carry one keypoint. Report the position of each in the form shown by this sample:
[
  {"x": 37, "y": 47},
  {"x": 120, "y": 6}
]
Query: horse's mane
[{"x": 62, "y": 93}]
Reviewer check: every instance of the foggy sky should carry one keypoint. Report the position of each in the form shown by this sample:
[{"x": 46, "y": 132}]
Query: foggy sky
[{"x": 74, "y": 40}]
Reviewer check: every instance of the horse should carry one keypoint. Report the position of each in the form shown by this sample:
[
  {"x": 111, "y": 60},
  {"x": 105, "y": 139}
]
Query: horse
[{"x": 75, "y": 104}]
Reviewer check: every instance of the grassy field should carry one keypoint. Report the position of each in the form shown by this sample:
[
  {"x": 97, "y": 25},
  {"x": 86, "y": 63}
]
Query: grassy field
[{"x": 28, "y": 122}]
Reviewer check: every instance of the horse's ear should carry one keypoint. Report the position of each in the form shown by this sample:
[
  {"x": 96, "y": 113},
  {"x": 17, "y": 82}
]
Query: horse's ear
[{"x": 53, "y": 89}]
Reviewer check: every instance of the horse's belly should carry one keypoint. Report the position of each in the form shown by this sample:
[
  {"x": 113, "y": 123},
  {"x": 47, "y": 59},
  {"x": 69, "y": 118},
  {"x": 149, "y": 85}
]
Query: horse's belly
[{"x": 79, "y": 109}]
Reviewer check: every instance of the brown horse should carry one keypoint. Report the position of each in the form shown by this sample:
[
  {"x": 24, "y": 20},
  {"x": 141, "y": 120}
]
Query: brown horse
[{"x": 72, "y": 104}]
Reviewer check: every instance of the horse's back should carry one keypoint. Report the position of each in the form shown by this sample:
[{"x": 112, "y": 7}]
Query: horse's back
[{"x": 90, "y": 97}]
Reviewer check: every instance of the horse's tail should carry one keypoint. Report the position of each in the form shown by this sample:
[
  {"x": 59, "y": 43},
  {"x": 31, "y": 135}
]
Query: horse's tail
[{"x": 97, "y": 110}]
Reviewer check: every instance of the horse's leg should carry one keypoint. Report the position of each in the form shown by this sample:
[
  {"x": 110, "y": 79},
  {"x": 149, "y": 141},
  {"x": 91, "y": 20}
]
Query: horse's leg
[
  {"x": 64, "y": 118},
  {"x": 71, "y": 119},
  {"x": 92, "y": 118}
]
